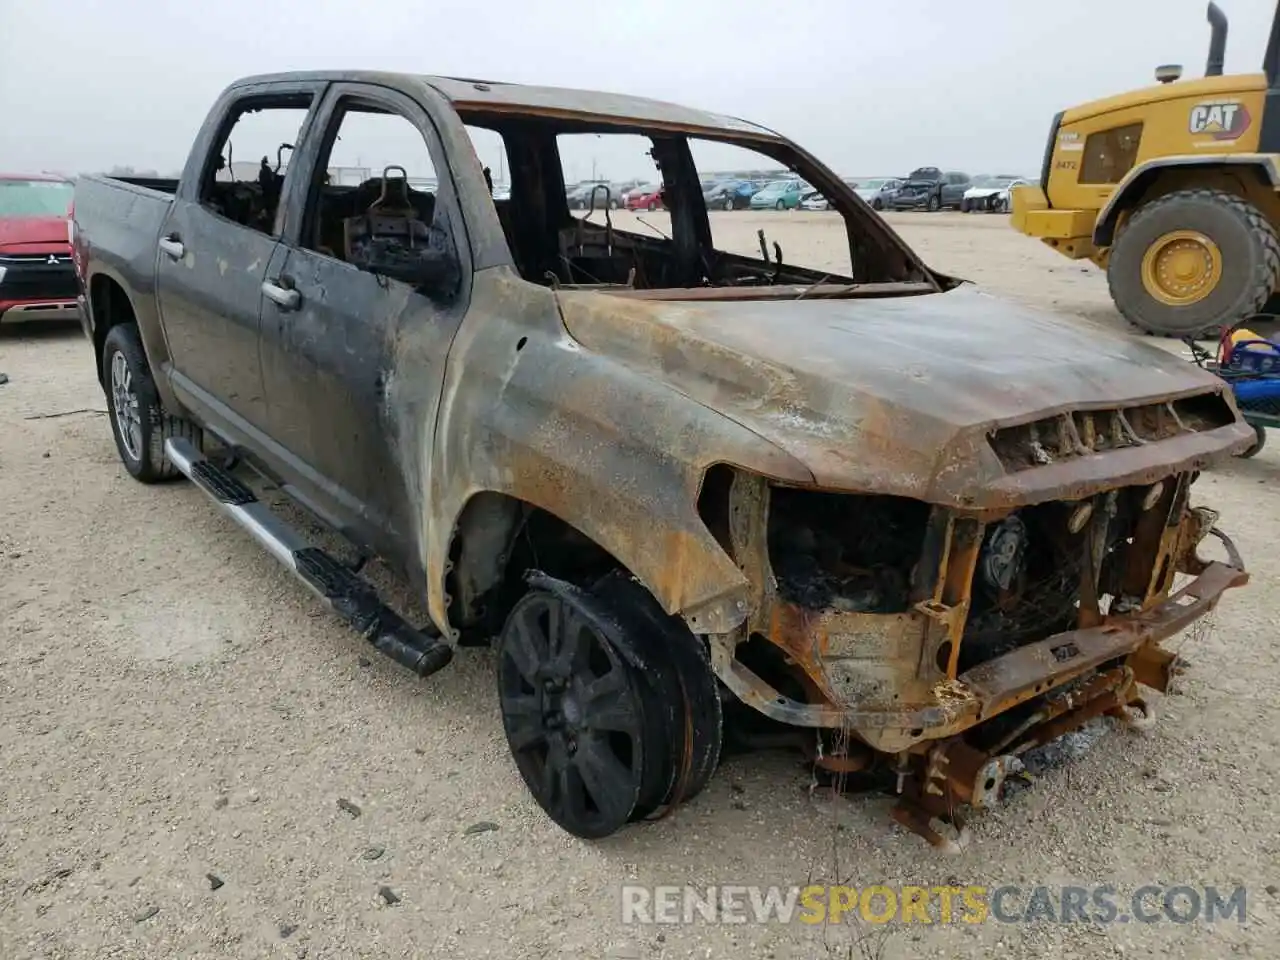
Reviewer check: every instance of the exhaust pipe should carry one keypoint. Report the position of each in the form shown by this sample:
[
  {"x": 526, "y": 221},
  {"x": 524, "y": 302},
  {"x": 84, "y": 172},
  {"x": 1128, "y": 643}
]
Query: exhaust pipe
[{"x": 1217, "y": 41}]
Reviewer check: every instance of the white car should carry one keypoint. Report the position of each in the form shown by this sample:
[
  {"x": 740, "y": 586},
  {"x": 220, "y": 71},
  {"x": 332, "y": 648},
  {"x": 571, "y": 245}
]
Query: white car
[
  {"x": 990, "y": 193},
  {"x": 813, "y": 200}
]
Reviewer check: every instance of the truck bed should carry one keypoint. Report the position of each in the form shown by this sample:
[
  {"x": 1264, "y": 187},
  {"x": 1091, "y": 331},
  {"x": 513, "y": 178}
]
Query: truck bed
[{"x": 118, "y": 221}]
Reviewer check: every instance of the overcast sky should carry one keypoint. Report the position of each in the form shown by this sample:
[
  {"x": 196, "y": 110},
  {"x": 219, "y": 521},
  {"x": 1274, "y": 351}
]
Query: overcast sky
[{"x": 869, "y": 87}]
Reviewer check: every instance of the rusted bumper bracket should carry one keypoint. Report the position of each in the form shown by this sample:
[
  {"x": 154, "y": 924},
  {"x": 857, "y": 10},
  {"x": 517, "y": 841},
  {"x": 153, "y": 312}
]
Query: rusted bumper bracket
[{"x": 995, "y": 686}]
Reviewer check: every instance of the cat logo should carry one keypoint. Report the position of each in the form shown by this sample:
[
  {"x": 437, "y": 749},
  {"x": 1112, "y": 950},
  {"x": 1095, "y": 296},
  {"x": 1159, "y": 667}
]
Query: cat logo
[{"x": 1219, "y": 119}]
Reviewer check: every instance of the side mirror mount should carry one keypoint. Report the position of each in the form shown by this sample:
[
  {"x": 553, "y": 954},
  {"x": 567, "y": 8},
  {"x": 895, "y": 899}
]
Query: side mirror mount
[
  {"x": 430, "y": 266},
  {"x": 439, "y": 270}
]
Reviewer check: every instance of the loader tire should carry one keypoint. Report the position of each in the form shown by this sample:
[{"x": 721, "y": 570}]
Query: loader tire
[{"x": 1194, "y": 262}]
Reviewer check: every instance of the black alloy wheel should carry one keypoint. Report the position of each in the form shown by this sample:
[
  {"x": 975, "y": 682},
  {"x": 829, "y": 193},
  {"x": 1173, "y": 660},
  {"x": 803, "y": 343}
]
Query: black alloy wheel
[{"x": 572, "y": 711}]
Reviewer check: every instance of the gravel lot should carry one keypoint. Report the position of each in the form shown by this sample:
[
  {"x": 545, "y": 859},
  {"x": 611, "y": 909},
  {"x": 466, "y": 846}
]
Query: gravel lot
[{"x": 173, "y": 705}]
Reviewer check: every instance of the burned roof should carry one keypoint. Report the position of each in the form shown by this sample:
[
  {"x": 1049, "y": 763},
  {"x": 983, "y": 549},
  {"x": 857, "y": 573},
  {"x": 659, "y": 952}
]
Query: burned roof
[
  {"x": 491, "y": 96},
  {"x": 485, "y": 95}
]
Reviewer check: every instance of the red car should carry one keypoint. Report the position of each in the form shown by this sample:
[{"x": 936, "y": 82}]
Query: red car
[
  {"x": 648, "y": 197},
  {"x": 37, "y": 279}
]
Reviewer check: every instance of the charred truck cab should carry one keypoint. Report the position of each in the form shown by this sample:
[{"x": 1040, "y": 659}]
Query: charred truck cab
[{"x": 684, "y": 492}]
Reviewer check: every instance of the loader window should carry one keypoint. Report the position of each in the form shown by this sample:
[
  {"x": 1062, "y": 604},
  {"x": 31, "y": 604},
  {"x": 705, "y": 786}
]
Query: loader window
[{"x": 1110, "y": 154}]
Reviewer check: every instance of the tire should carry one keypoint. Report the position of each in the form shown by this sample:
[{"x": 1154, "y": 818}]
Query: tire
[
  {"x": 653, "y": 205},
  {"x": 934, "y": 204},
  {"x": 728, "y": 203},
  {"x": 780, "y": 205},
  {"x": 587, "y": 762},
  {"x": 1249, "y": 250},
  {"x": 964, "y": 206},
  {"x": 681, "y": 682},
  {"x": 877, "y": 204},
  {"x": 138, "y": 421},
  {"x": 1260, "y": 433}
]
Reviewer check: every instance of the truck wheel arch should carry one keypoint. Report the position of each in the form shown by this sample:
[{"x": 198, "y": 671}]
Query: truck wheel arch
[
  {"x": 497, "y": 537},
  {"x": 110, "y": 306},
  {"x": 111, "y": 303},
  {"x": 1138, "y": 183}
]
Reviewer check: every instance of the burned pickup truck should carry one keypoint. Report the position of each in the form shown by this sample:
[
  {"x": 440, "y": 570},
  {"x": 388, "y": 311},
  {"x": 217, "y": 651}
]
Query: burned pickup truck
[{"x": 668, "y": 482}]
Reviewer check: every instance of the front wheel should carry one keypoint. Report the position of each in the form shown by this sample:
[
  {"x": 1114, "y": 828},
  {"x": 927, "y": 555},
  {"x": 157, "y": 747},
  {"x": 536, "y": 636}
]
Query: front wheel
[
  {"x": 877, "y": 204},
  {"x": 728, "y": 203},
  {"x": 780, "y": 205},
  {"x": 1193, "y": 262},
  {"x": 934, "y": 204},
  {"x": 138, "y": 421}
]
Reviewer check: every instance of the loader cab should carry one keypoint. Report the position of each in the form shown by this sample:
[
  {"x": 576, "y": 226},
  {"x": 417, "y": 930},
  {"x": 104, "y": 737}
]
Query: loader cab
[{"x": 1205, "y": 152}]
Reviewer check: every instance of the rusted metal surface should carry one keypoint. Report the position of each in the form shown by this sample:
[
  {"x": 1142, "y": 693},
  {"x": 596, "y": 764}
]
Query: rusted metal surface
[
  {"x": 873, "y": 671},
  {"x": 900, "y": 395}
]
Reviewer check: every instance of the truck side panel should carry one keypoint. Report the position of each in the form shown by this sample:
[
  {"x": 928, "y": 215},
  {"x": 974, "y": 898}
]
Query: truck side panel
[{"x": 117, "y": 225}]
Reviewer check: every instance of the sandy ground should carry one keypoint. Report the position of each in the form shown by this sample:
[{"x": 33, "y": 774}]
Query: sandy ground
[{"x": 173, "y": 705}]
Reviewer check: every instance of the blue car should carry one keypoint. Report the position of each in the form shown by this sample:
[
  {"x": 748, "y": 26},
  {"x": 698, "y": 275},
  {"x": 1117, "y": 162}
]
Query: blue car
[{"x": 728, "y": 194}]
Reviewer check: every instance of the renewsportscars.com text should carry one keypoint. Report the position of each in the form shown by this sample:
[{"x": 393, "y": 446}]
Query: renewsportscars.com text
[{"x": 879, "y": 904}]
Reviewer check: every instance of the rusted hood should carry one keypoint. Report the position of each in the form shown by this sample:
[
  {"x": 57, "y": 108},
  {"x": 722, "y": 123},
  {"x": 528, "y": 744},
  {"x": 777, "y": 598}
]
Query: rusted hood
[{"x": 895, "y": 395}]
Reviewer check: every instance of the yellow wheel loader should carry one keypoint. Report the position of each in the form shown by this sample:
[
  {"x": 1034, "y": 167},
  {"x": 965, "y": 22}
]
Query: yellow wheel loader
[{"x": 1172, "y": 189}]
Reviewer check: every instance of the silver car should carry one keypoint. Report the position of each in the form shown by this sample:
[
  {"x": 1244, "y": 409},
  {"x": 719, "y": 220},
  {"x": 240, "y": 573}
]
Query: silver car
[{"x": 878, "y": 192}]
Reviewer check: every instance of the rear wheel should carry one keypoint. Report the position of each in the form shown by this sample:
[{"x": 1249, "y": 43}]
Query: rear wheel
[
  {"x": 877, "y": 204},
  {"x": 728, "y": 203},
  {"x": 138, "y": 421},
  {"x": 1193, "y": 262},
  {"x": 934, "y": 204},
  {"x": 780, "y": 205}
]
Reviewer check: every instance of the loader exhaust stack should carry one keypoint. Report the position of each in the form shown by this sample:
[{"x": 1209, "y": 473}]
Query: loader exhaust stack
[{"x": 1217, "y": 41}]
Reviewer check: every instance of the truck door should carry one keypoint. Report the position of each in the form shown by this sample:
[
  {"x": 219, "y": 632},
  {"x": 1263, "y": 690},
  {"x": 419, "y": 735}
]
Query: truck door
[
  {"x": 214, "y": 248},
  {"x": 346, "y": 397}
]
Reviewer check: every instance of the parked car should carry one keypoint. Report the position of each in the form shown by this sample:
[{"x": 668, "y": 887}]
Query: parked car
[
  {"x": 928, "y": 188},
  {"x": 597, "y": 193},
  {"x": 647, "y": 197},
  {"x": 813, "y": 200},
  {"x": 879, "y": 192},
  {"x": 623, "y": 189},
  {"x": 924, "y": 528},
  {"x": 876, "y": 192},
  {"x": 728, "y": 194},
  {"x": 991, "y": 193},
  {"x": 780, "y": 195},
  {"x": 37, "y": 279}
]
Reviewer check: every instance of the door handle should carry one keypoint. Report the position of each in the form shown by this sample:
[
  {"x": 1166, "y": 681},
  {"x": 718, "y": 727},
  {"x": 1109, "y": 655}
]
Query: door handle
[
  {"x": 172, "y": 247},
  {"x": 280, "y": 293}
]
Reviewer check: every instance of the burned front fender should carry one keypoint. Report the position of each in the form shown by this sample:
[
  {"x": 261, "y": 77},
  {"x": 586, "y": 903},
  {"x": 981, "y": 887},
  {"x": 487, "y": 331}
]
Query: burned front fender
[{"x": 530, "y": 414}]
